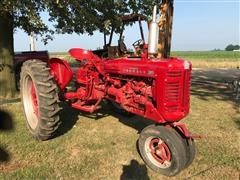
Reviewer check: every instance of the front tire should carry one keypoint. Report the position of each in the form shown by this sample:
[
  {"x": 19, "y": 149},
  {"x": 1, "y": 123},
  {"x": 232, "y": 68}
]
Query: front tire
[
  {"x": 191, "y": 151},
  {"x": 39, "y": 94},
  {"x": 162, "y": 150},
  {"x": 190, "y": 148}
]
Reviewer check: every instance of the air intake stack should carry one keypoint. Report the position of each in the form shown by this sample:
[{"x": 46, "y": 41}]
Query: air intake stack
[{"x": 153, "y": 34}]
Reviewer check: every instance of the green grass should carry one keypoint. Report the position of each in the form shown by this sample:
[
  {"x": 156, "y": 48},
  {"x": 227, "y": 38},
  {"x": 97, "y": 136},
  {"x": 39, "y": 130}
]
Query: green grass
[
  {"x": 103, "y": 146},
  {"x": 213, "y": 55},
  {"x": 199, "y": 59},
  {"x": 210, "y": 59}
]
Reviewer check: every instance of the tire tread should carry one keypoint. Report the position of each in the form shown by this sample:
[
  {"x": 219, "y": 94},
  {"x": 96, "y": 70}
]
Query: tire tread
[{"x": 47, "y": 93}]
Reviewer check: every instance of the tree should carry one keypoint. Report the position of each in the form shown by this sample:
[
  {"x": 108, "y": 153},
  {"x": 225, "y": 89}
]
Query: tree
[
  {"x": 236, "y": 47},
  {"x": 7, "y": 87},
  {"x": 68, "y": 16},
  {"x": 232, "y": 47}
]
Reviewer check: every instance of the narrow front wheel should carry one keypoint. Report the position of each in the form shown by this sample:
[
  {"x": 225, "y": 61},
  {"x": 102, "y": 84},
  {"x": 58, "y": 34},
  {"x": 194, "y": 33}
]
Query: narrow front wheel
[{"x": 162, "y": 150}]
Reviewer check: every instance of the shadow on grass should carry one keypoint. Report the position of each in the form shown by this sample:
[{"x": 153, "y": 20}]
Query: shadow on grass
[
  {"x": 131, "y": 120},
  {"x": 237, "y": 122},
  {"x": 134, "y": 171},
  {"x": 69, "y": 117},
  {"x": 214, "y": 83},
  {"x": 4, "y": 155},
  {"x": 136, "y": 122},
  {"x": 6, "y": 124}
]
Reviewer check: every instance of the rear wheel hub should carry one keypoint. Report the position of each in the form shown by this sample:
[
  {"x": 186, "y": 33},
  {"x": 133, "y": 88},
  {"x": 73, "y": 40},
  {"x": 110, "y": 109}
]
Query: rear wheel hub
[{"x": 30, "y": 102}]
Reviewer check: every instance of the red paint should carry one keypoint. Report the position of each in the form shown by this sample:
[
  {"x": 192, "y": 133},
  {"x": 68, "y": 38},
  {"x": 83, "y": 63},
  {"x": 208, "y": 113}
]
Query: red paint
[
  {"x": 182, "y": 128},
  {"x": 170, "y": 87},
  {"x": 85, "y": 55},
  {"x": 61, "y": 71},
  {"x": 157, "y": 89},
  {"x": 159, "y": 150},
  {"x": 34, "y": 99},
  {"x": 80, "y": 54}
]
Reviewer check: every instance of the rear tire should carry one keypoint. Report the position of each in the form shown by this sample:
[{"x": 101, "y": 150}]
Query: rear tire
[
  {"x": 39, "y": 94},
  {"x": 162, "y": 150}
]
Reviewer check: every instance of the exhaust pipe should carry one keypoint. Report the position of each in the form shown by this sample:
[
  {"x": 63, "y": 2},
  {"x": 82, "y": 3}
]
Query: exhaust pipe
[{"x": 153, "y": 34}]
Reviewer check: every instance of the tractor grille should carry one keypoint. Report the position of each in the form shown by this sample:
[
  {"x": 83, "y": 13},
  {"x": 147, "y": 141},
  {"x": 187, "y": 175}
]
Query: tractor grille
[
  {"x": 172, "y": 92},
  {"x": 177, "y": 86},
  {"x": 187, "y": 85},
  {"x": 174, "y": 74}
]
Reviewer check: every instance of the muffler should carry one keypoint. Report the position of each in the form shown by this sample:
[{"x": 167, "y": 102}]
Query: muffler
[{"x": 153, "y": 34}]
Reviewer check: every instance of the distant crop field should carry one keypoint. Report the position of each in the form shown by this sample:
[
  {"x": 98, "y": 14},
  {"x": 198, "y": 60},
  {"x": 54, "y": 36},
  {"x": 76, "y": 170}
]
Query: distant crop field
[
  {"x": 199, "y": 59},
  {"x": 210, "y": 59},
  {"x": 214, "y": 55}
]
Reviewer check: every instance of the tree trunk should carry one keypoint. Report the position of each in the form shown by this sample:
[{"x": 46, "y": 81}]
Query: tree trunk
[{"x": 7, "y": 78}]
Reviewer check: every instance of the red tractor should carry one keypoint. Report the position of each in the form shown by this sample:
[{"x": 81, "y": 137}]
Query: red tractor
[{"x": 152, "y": 85}]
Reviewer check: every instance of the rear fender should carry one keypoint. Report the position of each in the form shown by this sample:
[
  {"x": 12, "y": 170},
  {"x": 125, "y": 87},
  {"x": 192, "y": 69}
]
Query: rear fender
[
  {"x": 61, "y": 71},
  {"x": 80, "y": 54}
]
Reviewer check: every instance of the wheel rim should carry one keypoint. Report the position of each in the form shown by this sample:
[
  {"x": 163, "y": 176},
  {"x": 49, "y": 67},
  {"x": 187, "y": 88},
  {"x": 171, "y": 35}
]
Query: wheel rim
[
  {"x": 34, "y": 99},
  {"x": 30, "y": 102},
  {"x": 158, "y": 152}
]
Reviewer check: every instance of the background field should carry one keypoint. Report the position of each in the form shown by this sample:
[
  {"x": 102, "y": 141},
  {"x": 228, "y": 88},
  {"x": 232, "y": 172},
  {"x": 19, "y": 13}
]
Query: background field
[
  {"x": 103, "y": 145},
  {"x": 199, "y": 59},
  {"x": 211, "y": 59}
]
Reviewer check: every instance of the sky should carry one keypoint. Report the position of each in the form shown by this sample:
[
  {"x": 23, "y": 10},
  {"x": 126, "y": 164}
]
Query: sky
[{"x": 198, "y": 25}]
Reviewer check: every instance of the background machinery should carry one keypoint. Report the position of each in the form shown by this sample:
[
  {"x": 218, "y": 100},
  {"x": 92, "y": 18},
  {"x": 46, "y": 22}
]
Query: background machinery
[{"x": 149, "y": 83}]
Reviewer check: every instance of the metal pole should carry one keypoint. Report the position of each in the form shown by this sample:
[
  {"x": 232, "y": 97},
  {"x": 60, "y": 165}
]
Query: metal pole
[{"x": 32, "y": 42}]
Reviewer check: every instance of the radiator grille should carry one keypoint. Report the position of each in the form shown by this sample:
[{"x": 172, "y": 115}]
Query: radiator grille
[
  {"x": 174, "y": 74},
  {"x": 173, "y": 91},
  {"x": 187, "y": 85},
  {"x": 177, "y": 90}
]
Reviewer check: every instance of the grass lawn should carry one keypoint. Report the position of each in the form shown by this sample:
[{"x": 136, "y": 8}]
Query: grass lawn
[{"x": 103, "y": 145}]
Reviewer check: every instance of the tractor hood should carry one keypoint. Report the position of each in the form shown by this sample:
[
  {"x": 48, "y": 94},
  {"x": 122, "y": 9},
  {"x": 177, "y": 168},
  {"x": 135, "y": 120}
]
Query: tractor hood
[{"x": 148, "y": 68}]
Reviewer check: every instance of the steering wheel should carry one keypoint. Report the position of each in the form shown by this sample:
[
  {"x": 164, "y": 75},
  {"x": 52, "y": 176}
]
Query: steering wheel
[
  {"x": 138, "y": 46},
  {"x": 137, "y": 43}
]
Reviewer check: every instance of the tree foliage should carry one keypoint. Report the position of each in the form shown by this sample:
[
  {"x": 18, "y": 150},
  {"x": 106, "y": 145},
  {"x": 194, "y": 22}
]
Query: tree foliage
[
  {"x": 231, "y": 47},
  {"x": 68, "y": 16}
]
